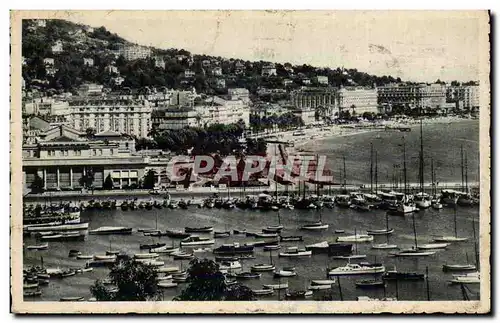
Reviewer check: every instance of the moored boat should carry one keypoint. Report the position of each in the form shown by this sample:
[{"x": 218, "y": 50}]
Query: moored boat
[
  {"x": 356, "y": 238},
  {"x": 370, "y": 283},
  {"x": 295, "y": 252},
  {"x": 276, "y": 286},
  {"x": 111, "y": 230},
  {"x": 357, "y": 269},
  {"x": 290, "y": 238},
  {"x": 247, "y": 275},
  {"x": 43, "y": 246},
  {"x": 459, "y": 267},
  {"x": 198, "y": 230},
  {"x": 263, "y": 267},
  {"x": 315, "y": 226},
  {"x": 196, "y": 241}
]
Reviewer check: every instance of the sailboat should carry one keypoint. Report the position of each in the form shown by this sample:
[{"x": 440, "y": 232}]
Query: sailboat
[
  {"x": 464, "y": 199},
  {"x": 111, "y": 252},
  {"x": 274, "y": 228},
  {"x": 385, "y": 245},
  {"x": 415, "y": 251},
  {"x": 316, "y": 225},
  {"x": 405, "y": 206},
  {"x": 355, "y": 255},
  {"x": 422, "y": 199},
  {"x": 467, "y": 266},
  {"x": 264, "y": 267},
  {"x": 436, "y": 204},
  {"x": 454, "y": 238}
]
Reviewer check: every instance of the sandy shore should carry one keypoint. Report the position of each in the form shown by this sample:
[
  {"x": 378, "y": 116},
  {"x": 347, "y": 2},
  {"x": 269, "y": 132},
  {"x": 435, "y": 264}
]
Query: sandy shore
[{"x": 335, "y": 131}]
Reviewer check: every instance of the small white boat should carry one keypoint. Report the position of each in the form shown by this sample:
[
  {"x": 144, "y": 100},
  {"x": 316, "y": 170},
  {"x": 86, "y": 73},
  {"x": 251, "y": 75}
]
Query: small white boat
[
  {"x": 164, "y": 249},
  {"x": 276, "y": 286},
  {"x": 167, "y": 284},
  {"x": 285, "y": 273},
  {"x": 272, "y": 247},
  {"x": 263, "y": 292},
  {"x": 449, "y": 239},
  {"x": 357, "y": 269},
  {"x": 384, "y": 246},
  {"x": 474, "y": 274},
  {"x": 150, "y": 262},
  {"x": 199, "y": 250},
  {"x": 459, "y": 267},
  {"x": 43, "y": 246},
  {"x": 111, "y": 230},
  {"x": 30, "y": 286},
  {"x": 59, "y": 227},
  {"x": 323, "y": 282},
  {"x": 295, "y": 252},
  {"x": 168, "y": 277},
  {"x": 230, "y": 265},
  {"x": 262, "y": 267},
  {"x": 197, "y": 241},
  {"x": 86, "y": 257},
  {"x": 339, "y": 231},
  {"x": 167, "y": 270},
  {"x": 84, "y": 270},
  {"x": 379, "y": 232},
  {"x": 471, "y": 279},
  {"x": 146, "y": 255},
  {"x": 433, "y": 246},
  {"x": 356, "y": 238},
  {"x": 104, "y": 257},
  {"x": 413, "y": 253},
  {"x": 315, "y": 226}
]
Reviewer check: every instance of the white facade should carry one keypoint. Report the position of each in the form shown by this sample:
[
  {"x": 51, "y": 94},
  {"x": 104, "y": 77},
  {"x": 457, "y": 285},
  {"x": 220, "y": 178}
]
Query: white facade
[
  {"x": 90, "y": 89},
  {"x": 128, "y": 116},
  {"x": 48, "y": 61},
  {"x": 269, "y": 70},
  {"x": 112, "y": 69},
  {"x": 358, "y": 99},
  {"x": 468, "y": 95},
  {"x": 174, "y": 118},
  {"x": 218, "y": 110},
  {"x": 322, "y": 80},
  {"x": 189, "y": 74},
  {"x": 57, "y": 47},
  {"x": 239, "y": 93},
  {"x": 159, "y": 62},
  {"x": 131, "y": 53},
  {"x": 88, "y": 62}
]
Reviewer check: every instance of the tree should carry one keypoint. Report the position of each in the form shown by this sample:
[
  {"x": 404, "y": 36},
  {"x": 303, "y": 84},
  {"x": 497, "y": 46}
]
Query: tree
[
  {"x": 37, "y": 186},
  {"x": 149, "y": 180},
  {"x": 134, "y": 282},
  {"x": 207, "y": 283},
  {"x": 108, "y": 183}
]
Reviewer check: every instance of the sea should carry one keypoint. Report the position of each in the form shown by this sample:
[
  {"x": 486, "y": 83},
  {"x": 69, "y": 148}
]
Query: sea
[{"x": 441, "y": 142}]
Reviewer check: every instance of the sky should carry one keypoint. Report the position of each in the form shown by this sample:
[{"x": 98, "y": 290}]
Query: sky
[{"x": 413, "y": 45}]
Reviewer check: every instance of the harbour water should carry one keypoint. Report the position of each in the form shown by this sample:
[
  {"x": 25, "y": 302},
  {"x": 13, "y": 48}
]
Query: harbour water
[
  {"x": 442, "y": 143},
  {"x": 429, "y": 223}
]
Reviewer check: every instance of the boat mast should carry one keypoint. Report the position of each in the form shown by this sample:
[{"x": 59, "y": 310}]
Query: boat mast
[
  {"x": 376, "y": 172},
  {"x": 414, "y": 231},
  {"x": 476, "y": 255},
  {"x": 355, "y": 241},
  {"x": 466, "y": 175},
  {"x": 455, "y": 220},
  {"x": 421, "y": 157},
  {"x": 345, "y": 178},
  {"x": 433, "y": 183},
  {"x": 371, "y": 167},
  {"x": 404, "y": 167},
  {"x": 462, "y": 163},
  {"x": 387, "y": 226}
]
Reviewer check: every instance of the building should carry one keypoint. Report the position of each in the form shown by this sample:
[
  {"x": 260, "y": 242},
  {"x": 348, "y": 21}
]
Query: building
[
  {"x": 189, "y": 74},
  {"x": 205, "y": 63},
  {"x": 88, "y": 61},
  {"x": 217, "y": 71},
  {"x": 50, "y": 70},
  {"x": 90, "y": 89},
  {"x": 57, "y": 47},
  {"x": 239, "y": 94},
  {"x": 175, "y": 117},
  {"x": 47, "y": 106},
  {"x": 269, "y": 70},
  {"x": 322, "y": 80},
  {"x": 134, "y": 52},
  {"x": 111, "y": 69},
  {"x": 308, "y": 115},
  {"x": 118, "y": 80},
  {"x": 62, "y": 156},
  {"x": 269, "y": 109},
  {"x": 467, "y": 96},
  {"x": 159, "y": 62},
  {"x": 218, "y": 110},
  {"x": 287, "y": 82},
  {"x": 324, "y": 99},
  {"x": 357, "y": 100},
  {"x": 111, "y": 113},
  {"x": 306, "y": 81},
  {"x": 239, "y": 68},
  {"x": 218, "y": 83},
  {"x": 48, "y": 61},
  {"x": 414, "y": 96}
]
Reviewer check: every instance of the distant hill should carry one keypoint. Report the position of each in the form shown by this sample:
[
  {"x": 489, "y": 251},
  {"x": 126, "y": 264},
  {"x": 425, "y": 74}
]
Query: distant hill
[{"x": 212, "y": 75}]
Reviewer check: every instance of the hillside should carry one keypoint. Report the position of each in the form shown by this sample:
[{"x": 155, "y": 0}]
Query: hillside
[{"x": 208, "y": 74}]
